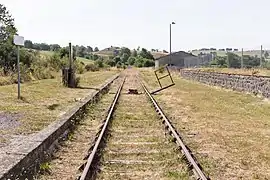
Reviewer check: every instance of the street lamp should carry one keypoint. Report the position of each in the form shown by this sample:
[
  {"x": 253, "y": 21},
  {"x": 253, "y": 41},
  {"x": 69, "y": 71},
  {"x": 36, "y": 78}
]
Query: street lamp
[{"x": 171, "y": 42}]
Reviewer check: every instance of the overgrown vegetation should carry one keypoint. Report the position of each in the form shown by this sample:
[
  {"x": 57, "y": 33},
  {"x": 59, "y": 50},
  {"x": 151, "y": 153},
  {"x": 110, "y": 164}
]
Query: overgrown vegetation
[{"x": 34, "y": 65}]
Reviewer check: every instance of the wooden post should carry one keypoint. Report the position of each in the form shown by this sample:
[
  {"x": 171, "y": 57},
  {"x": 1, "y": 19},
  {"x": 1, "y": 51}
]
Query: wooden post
[{"x": 70, "y": 56}]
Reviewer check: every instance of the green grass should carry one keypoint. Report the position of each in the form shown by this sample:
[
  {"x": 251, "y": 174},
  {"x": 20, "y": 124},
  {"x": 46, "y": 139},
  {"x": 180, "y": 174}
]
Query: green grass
[
  {"x": 227, "y": 131},
  {"x": 45, "y": 100},
  {"x": 84, "y": 60}
]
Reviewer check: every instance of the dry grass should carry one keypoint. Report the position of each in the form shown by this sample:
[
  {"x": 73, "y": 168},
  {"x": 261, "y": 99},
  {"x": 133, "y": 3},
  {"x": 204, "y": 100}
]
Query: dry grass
[
  {"x": 254, "y": 71},
  {"x": 45, "y": 100},
  {"x": 137, "y": 147},
  {"x": 228, "y": 131}
]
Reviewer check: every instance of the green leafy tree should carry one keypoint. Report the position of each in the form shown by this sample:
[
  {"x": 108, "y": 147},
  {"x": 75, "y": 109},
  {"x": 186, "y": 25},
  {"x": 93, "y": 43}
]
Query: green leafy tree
[
  {"x": 266, "y": 54},
  {"x": 96, "y": 49},
  {"x": 7, "y": 49},
  {"x": 131, "y": 60},
  {"x": 28, "y": 44},
  {"x": 89, "y": 49},
  {"x": 117, "y": 59},
  {"x": 146, "y": 54},
  {"x": 233, "y": 60},
  {"x": 99, "y": 63},
  {"x": 124, "y": 58},
  {"x": 125, "y": 50},
  {"x": 221, "y": 61},
  {"x": 81, "y": 51},
  {"x": 55, "y": 47},
  {"x": 110, "y": 62},
  {"x": 134, "y": 53}
]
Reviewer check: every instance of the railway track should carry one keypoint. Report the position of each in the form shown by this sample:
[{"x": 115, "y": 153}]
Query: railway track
[{"x": 132, "y": 143}]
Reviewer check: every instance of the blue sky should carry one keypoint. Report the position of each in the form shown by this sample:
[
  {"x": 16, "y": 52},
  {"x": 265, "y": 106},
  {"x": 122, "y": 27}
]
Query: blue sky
[{"x": 145, "y": 23}]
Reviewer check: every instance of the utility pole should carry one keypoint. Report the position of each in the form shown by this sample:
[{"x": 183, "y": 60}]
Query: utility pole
[
  {"x": 171, "y": 43},
  {"x": 242, "y": 61},
  {"x": 261, "y": 56}
]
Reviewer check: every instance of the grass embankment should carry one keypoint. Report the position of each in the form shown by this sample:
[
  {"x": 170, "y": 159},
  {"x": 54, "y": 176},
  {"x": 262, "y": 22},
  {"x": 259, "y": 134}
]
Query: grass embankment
[
  {"x": 45, "y": 100},
  {"x": 255, "y": 71},
  {"x": 228, "y": 131}
]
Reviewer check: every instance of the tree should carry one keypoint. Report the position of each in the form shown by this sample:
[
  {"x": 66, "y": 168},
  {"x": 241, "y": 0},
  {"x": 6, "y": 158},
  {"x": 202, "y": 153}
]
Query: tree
[
  {"x": 131, "y": 60},
  {"x": 134, "y": 53},
  {"x": 221, "y": 61},
  {"x": 44, "y": 47},
  {"x": 96, "y": 49},
  {"x": 234, "y": 61},
  {"x": 266, "y": 54},
  {"x": 117, "y": 59},
  {"x": 125, "y": 50},
  {"x": 55, "y": 47},
  {"x": 81, "y": 51},
  {"x": 7, "y": 49},
  {"x": 28, "y": 44},
  {"x": 124, "y": 58},
  {"x": 110, "y": 62},
  {"x": 146, "y": 54},
  {"x": 90, "y": 49}
]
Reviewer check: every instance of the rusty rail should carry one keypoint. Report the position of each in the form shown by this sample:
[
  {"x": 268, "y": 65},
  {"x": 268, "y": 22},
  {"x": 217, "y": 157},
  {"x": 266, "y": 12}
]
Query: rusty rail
[
  {"x": 192, "y": 162},
  {"x": 86, "y": 172}
]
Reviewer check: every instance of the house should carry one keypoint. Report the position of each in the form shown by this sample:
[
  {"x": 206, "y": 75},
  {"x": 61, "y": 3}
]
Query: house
[{"x": 179, "y": 59}]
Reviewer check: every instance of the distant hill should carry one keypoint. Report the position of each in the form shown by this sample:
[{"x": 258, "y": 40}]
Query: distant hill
[
  {"x": 108, "y": 51},
  {"x": 112, "y": 50}
]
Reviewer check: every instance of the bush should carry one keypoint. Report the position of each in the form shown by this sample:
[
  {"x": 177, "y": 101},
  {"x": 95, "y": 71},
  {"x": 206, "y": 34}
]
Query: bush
[
  {"x": 77, "y": 81},
  {"x": 99, "y": 63},
  {"x": 118, "y": 65},
  {"x": 79, "y": 67},
  {"x": 91, "y": 67}
]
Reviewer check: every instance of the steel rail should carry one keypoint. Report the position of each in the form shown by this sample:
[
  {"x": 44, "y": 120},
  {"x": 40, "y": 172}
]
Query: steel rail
[
  {"x": 197, "y": 170},
  {"x": 91, "y": 157}
]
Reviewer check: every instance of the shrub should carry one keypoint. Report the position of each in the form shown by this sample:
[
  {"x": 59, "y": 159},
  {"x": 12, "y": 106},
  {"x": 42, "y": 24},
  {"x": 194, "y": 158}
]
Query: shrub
[
  {"x": 118, "y": 65},
  {"x": 99, "y": 63},
  {"x": 77, "y": 81},
  {"x": 91, "y": 67},
  {"x": 79, "y": 67}
]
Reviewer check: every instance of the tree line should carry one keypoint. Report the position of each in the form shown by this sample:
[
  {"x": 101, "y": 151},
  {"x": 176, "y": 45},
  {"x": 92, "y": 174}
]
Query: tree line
[
  {"x": 35, "y": 65},
  {"x": 82, "y": 50},
  {"x": 234, "y": 61}
]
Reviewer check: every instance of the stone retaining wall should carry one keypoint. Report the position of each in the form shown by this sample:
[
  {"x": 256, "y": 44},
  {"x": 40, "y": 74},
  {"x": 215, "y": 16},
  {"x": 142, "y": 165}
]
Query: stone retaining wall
[{"x": 247, "y": 83}]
